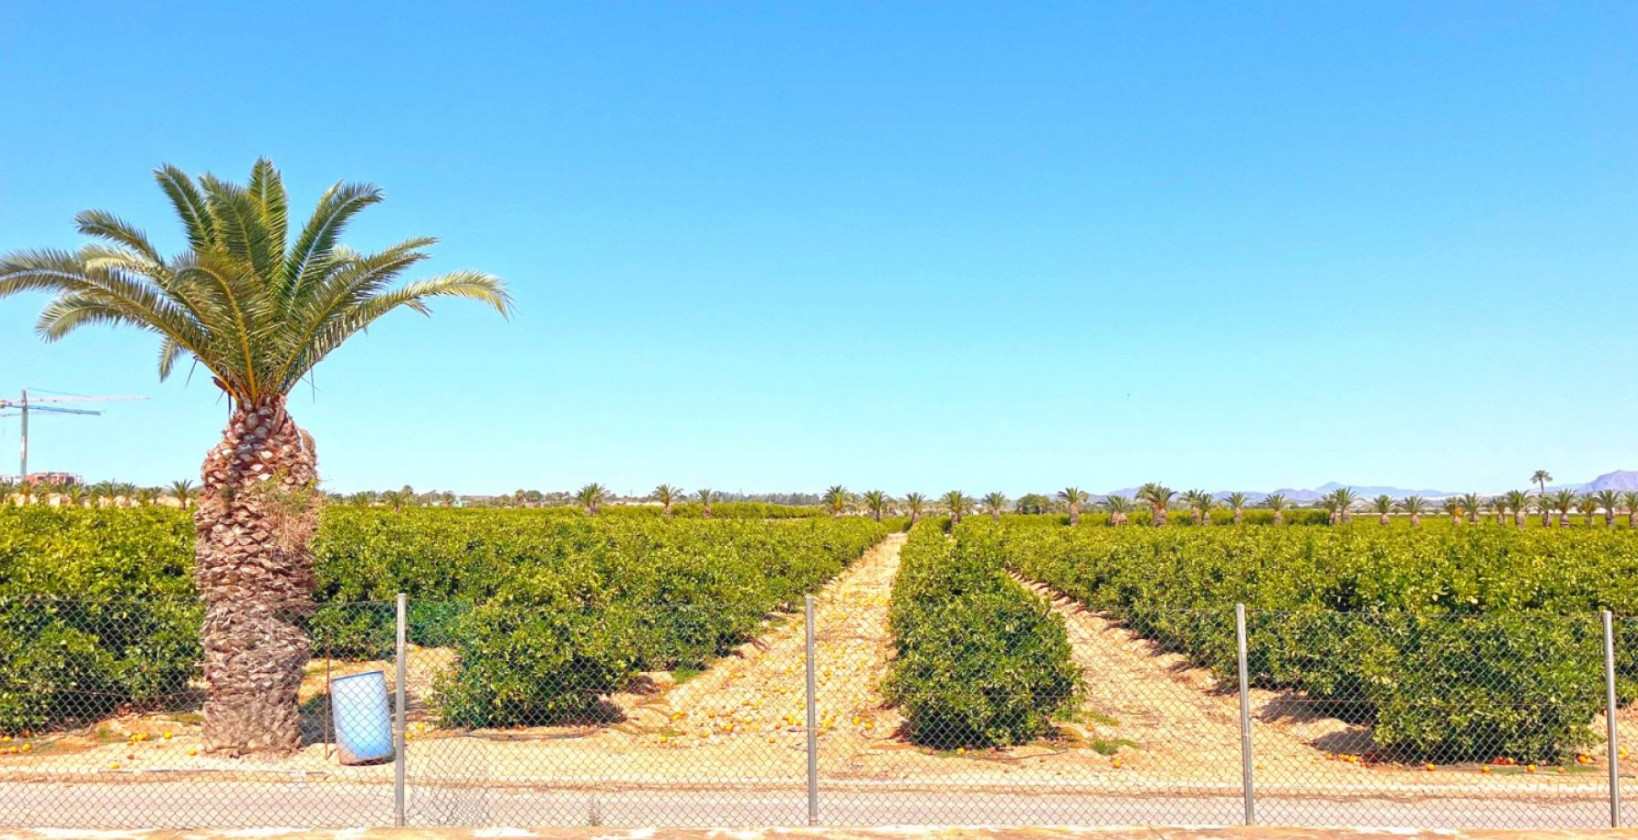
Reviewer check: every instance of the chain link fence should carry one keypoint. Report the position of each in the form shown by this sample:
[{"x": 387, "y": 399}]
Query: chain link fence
[{"x": 446, "y": 713}]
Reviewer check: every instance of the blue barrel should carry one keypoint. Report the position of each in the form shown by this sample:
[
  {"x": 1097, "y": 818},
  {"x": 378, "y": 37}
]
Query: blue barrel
[{"x": 362, "y": 718}]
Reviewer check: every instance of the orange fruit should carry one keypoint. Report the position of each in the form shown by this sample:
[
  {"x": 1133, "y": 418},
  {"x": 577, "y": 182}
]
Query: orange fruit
[
  {"x": 1530, "y": 768},
  {"x": 114, "y": 765},
  {"x": 167, "y": 735},
  {"x": 1484, "y": 769},
  {"x": 192, "y": 751},
  {"x": 1429, "y": 767}
]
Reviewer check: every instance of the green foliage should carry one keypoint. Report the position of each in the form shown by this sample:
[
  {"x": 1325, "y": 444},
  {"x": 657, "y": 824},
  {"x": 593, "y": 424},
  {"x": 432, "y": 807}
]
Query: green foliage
[
  {"x": 980, "y": 660},
  {"x": 547, "y": 609},
  {"x": 1458, "y": 643}
]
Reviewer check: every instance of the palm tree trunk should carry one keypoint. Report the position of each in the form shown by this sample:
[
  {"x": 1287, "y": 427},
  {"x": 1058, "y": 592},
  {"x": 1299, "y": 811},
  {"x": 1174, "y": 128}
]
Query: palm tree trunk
[
  {"x": 1416, "y": 520},
  {"x": 1159, "y": 518},
  {"x": 1074, "y": 515},
  {"x": 1238, "y": 516},
  {"x": 1632, "y": 517},
  {"x": 1519, "y": 518},
  {"x": 1385, "y": 519},
  {"x": 1546, "y": 518},
  {"x": 256, "y": 514},
  {"x": 1279, "y": 517},
  {"x": 1609, "y": 518},
  {"x": 1564, "y": 519}
]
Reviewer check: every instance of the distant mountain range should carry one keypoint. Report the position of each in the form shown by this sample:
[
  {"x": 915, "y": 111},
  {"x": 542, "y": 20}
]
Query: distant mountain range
[{"x": 1619, "y": 480}]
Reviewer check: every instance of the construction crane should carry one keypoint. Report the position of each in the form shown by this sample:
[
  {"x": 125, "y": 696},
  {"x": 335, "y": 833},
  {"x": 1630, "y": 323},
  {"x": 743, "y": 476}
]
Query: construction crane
[{"x": 10, "y": 408}]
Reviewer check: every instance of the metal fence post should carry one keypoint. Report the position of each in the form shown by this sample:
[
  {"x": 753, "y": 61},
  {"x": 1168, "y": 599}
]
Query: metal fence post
[
  {"x": 399, "y": 730},
  {"x": 813, "y": 721},
  {"x": 1609, "y": 717},
  {"x": 1245, "y": 715}
]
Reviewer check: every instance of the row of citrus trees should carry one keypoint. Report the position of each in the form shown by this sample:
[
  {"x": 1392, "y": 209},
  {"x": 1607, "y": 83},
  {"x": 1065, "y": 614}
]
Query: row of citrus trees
[
  {"x": 547, "y": 610},
  {"x": 980, "y": 661},
  {"x": 1458, "y": 644}
]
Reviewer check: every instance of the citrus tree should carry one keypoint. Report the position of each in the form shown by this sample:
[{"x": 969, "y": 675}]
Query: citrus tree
[{"x": 258, "y": 309}]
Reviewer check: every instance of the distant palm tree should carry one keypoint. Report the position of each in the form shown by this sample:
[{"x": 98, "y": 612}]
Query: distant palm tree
[
  {"x": 836, "y": 498},
  {"x": 1564, "y": 501},
  {"x": 397, "y": 499},
  {"x": 1074, "y": 497},
  {"x": 1237, "y": 502},
  {"x": 1609, "y": 500},
  {"x": 1518, "y": 502},
  {"x": 103, "y": 494},
  {"x": 1540, "y": 479},
  {"x": 706, "y": 497},
  {"x": 183, "y": 492},
  {"x": 1199, "y": 502},
  {"x": 1544, "y": 506},
  {"x": 72, "y": 495},
  {"x": 915, "y": 503},
  {"x": 147, "y": 496},
  {"x": 1278, "y": 503},
  {"x": 591, "y": 497},
  {"x": 1471, "y": 503},
  {"x": 1498, "y": 506},
  {"x": 1415, "y": 506},
  {"x": 1453, "y": 506},
  {"x": 667, "y": 496},
  {"x": 957, "y": 503},
  {"x": 1384, "y": 506},
  {"x": 1586, "y": 504},
  {"x": 1629, "y": 500},
  {"x": 1157, "y": 496},
  {"x": 995, "y": 503},
  {"x": 876, "y": 502},
  {"x": 1119, "y": 508},
  {"x": 1346, "y": 498}
]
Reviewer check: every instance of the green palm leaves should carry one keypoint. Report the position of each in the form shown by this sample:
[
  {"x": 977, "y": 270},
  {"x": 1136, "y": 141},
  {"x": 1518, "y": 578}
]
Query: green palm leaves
[
  {"x": 995, "y": 503},
  {"x": 836, "y": 499},
  {"x": 1073, "y": 498},
  {"x": 915, "y": 503},
  {"x": 876, "y": 501},
  {"x": 1157, "y": 496},
  {"x": 591, "y": 497},
  {"x": 667, "y": 496},
  {"x": 254, "y": 307}
]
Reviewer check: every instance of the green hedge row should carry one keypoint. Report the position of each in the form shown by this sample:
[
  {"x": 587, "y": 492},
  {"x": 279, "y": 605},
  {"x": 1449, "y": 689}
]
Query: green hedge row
[
  {"x": 980, "y": 661},
  {"x": 1458, "y": 644},
  {"x": 98, "y": 609}
]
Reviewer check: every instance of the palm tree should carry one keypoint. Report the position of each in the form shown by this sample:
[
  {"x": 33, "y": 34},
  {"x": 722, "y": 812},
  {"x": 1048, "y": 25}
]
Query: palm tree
[
  {"x": 1074, "y": 497},
  {"x": 1453, "y": 506},
  {"x": 957, "y": 503},
  {"x": 1564, "y": 501},
  {"x": 1237, "y": 502},
  {"x": 146, "y": 496},
  {"x": 995, "y": 503},
  {"x": 259, "y": 311},
  {"x": 1586, "y": 504},
  {"x": 667, "y": 496},
  {"x": 915, "y": 503},
  {"x": 877, "y": 501},
  {"x": 1157, "y": 496},
  {"x": 1540, "y": 479},
  {"x": 8, "y": 488},
  {"x": 591, "y": 497},
  {"x": 1518, "y": 502},
  {"x": 1278, "y": 503},
  {"x": 1414, "y": 506},
  {"x": 74, "y": 495},
  {"x": 1609, "y": 500},
  {"x": 103, "y": 494},
  {"x": 1199, "y": 502},
  {"x": 706, "y": 497},
  {"x": 1544, "y": 506},
  {"x": 182, "y": 491},
  {"x": 1629, "y": 500},
  {"x": 1471, "y": 504},
  {"x": 1119, "y": 507},
  {"x": 1384, "y": 506},
  {"x": 836, "y": 499},
  {"x": 1345, "y": 498},
  {"x": 1498, "y": 506}
]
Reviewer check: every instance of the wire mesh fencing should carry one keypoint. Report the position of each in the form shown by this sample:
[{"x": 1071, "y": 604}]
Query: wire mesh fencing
[{"x": 453, "y": 713}]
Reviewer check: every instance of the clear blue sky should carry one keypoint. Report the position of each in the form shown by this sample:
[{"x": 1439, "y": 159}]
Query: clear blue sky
[{"x": 914, "y": 246}]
